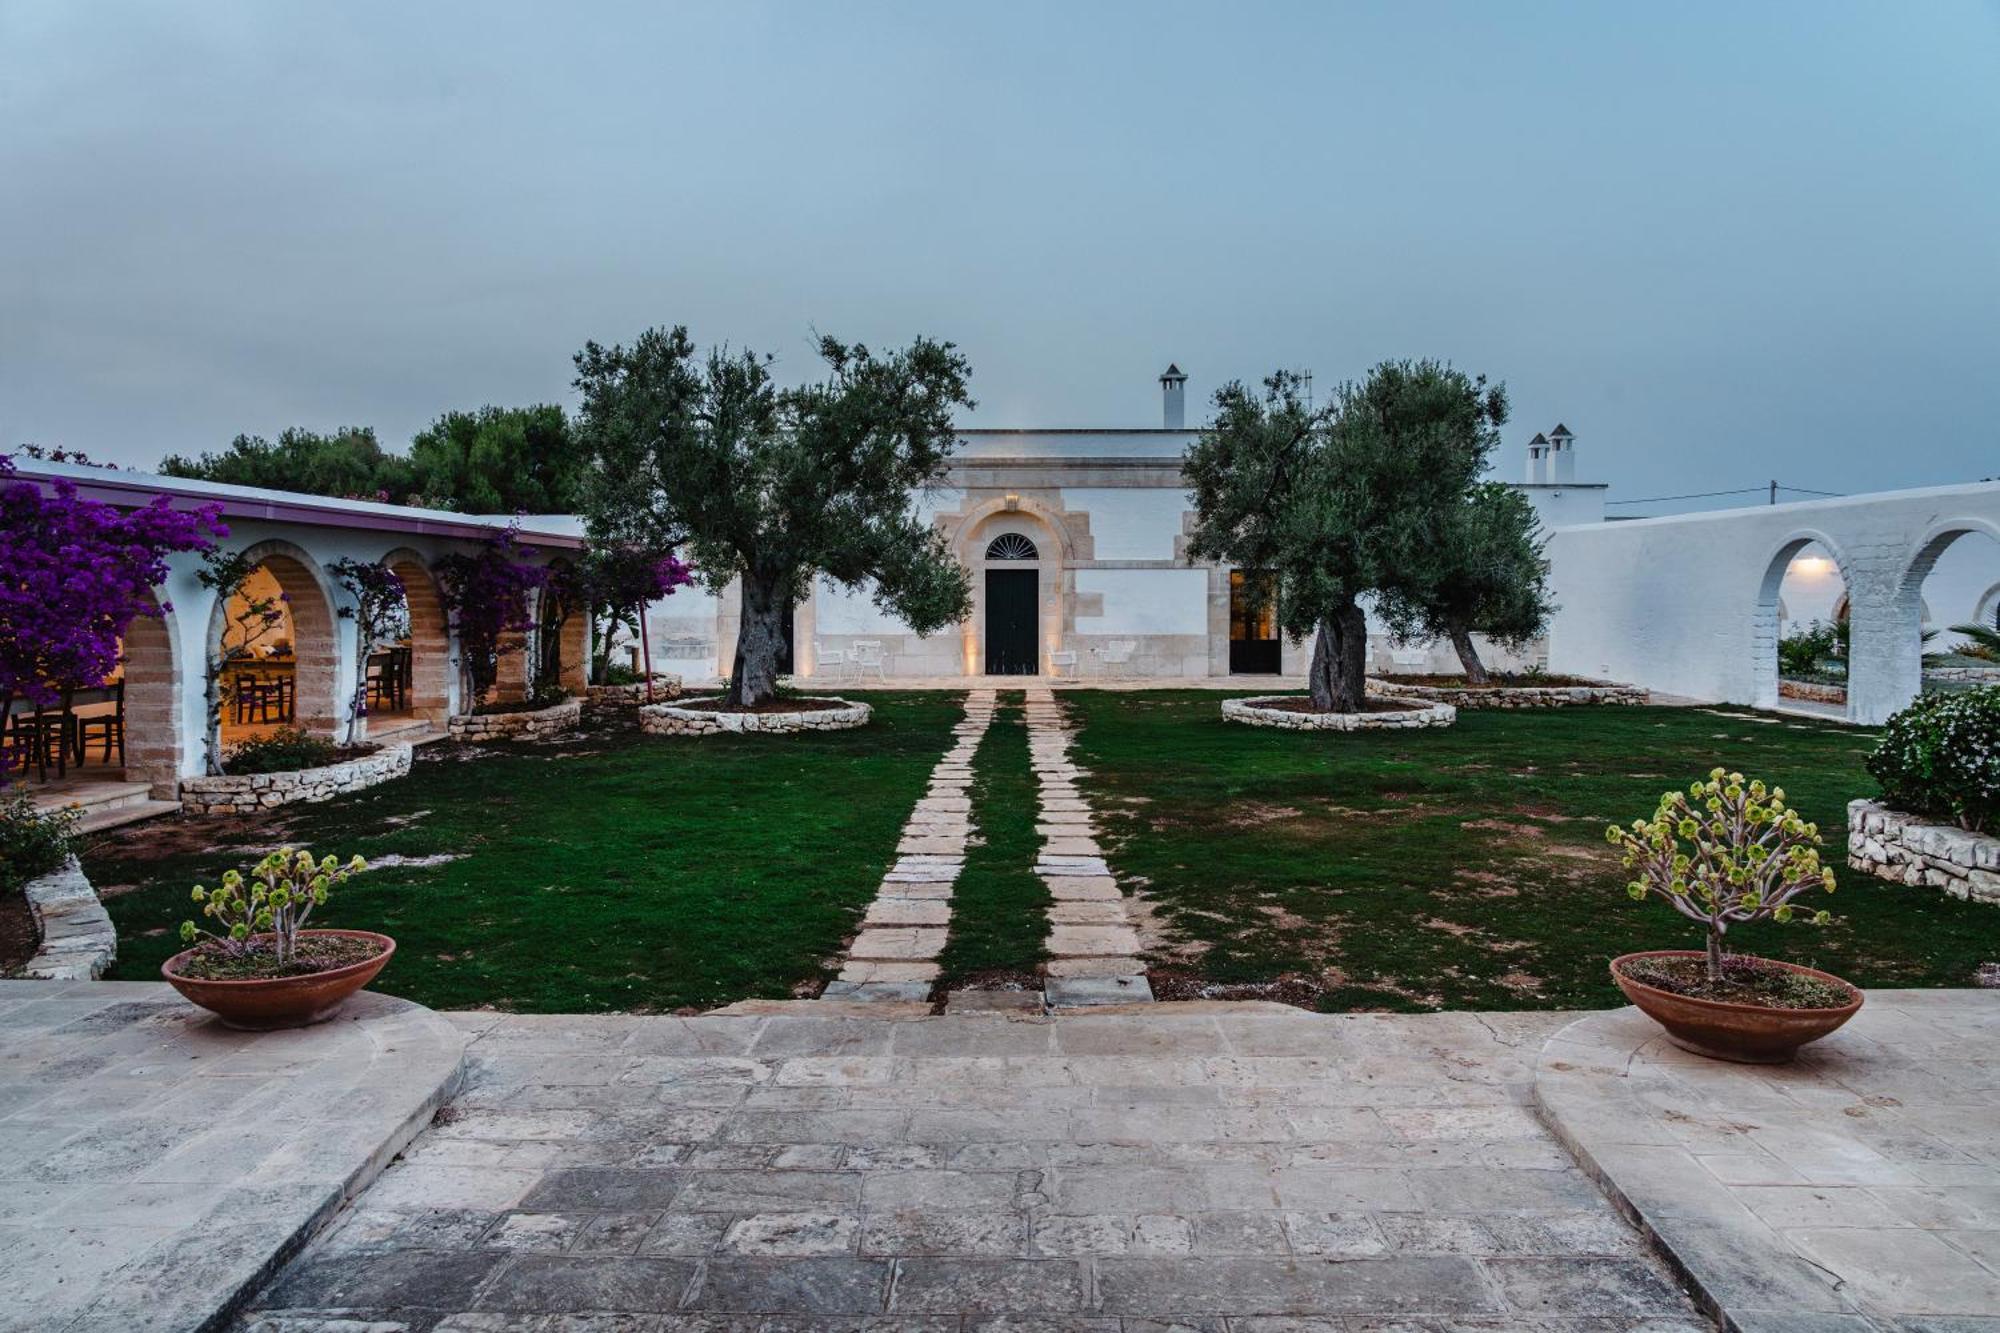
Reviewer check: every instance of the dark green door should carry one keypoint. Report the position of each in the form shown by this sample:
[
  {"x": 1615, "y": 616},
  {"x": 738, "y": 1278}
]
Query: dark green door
[{"x": 1011, "y": 628}]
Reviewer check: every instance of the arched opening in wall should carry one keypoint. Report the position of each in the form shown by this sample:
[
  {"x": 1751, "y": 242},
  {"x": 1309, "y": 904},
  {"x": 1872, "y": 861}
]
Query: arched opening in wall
[
  {"x": 1012, "y": 582},
  {"x": 1957, "y": 590},
  {"x": 409, "y": 678},
  {"x": 274, "y": 638},
  {"x": 1801, "y": 637}
]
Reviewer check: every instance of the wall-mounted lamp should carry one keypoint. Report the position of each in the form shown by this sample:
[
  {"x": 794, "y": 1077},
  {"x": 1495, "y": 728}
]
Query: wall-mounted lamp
[{"x": 1013, "y": 500}]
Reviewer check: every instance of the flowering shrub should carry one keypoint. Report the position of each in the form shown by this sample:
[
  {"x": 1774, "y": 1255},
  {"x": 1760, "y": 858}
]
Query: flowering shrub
[
  {"x": 73, "y": 574},
  {"x": 286, "y": 750},
  {"x": 274, "y": 899},
  {"x": 1724, "y": 852},
  {"x": 486, "y": 596},
  {"x": 1941, "y": 757},
  {"x": 32, "y": 842}
]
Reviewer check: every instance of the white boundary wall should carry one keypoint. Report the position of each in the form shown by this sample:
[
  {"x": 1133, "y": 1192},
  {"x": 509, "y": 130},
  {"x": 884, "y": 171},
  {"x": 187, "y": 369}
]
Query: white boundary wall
[{"x": 1689, "y": 604}]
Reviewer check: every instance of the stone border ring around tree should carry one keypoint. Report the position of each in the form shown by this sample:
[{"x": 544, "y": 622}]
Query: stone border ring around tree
[
  {"x": 1279, "y": 710},
  {"x": 680, "y": 719}
]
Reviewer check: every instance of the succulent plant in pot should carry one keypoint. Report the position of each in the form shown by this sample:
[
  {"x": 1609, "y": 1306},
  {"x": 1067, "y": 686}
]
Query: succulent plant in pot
[
  {"x": 260, "y": 967},
  {"x": 1730, "y": 852}
]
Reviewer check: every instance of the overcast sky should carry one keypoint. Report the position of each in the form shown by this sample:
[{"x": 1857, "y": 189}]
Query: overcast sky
[{"x": 1723, "y": 243}]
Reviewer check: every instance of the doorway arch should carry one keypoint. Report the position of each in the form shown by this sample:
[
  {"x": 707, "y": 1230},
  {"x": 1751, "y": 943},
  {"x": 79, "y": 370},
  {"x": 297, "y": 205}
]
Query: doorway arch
[
  {"x": 152, "y": 702},
  {"x": 1765, "y": 619},
  {"x": 1012, "y": 583},
  {"x": 430, "y": 637},
  {"x": 314, "y": 659}
]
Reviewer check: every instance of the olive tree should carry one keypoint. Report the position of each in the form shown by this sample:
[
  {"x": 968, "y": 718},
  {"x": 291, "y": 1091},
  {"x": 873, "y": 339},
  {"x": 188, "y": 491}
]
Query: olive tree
[
  {"x": 1340, "y": 503},
  {"x": 775, "y": 486},
  {"x": 1486, "y": 575}
]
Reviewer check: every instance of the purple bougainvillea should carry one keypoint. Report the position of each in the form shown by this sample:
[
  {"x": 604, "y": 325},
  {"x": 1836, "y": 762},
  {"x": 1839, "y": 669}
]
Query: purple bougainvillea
[
  {"x": 73, "y": 574},
  {"x": 486, "y": 596}
]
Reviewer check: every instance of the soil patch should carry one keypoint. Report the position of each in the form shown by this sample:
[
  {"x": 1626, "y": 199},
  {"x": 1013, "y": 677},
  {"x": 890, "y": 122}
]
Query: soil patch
[
  {"x": 1495, "y": 681},
  {"x": 1299, "y": 992},
  {"x": 715, "y": 704},
  {"x": 1744, "y": 981},
  {"x": 315, "y": 954},
  {"x": 18, "y": 937}
]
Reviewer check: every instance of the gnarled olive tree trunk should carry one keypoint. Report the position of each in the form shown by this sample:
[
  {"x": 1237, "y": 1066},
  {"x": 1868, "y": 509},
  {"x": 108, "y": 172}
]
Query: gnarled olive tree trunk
[
  {"x": 1338, "y": 677},
  {"x": 1468, "y": 656},
  {"x": 760, "y": 638}
]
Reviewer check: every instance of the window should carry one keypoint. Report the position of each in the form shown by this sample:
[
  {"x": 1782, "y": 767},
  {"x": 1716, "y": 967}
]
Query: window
[{"x": 1011, "y": 546}]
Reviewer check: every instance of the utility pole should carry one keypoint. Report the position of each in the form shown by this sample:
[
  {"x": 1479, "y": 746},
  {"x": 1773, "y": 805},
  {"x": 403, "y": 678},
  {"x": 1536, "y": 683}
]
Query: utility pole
[{"x": 1774, "y": 490}]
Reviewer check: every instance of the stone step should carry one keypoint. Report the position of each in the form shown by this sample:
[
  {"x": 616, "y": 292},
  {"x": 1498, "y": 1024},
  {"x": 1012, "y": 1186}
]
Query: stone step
[{"x": 130, "y": 812}]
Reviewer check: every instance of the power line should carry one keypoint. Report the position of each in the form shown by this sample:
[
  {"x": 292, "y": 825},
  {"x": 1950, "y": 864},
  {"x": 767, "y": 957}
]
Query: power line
[{"x": 1710, "y": 495}]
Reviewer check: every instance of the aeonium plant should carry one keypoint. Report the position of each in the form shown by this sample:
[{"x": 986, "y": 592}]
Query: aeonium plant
[
  {"x": 274, "y": 900},
  {"x": 1725, "y": 852}
]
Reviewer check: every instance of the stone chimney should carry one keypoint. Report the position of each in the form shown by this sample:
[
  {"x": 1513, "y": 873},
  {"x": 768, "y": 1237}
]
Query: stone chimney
[
  {"x": 1173, "y": 398},
  {"x": 1538, "y": 459},
  {"x": 1562, "y": 456}
]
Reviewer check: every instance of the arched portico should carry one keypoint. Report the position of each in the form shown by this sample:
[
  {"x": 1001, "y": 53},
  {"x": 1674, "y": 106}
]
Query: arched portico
[
  {"x": 1767, "y": 616},
  {"x": 430, "y": 637},
  {"x": 309, "y": 660}
]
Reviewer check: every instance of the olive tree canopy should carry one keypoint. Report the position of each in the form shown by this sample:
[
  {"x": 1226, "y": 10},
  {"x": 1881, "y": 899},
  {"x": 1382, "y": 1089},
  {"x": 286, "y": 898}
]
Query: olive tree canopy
[{"x": 708, "y": 456}]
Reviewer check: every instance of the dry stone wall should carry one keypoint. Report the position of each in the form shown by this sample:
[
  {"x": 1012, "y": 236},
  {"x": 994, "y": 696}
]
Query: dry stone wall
[
  {"x": 677, "y": 720},
  {"x": 1902, "y": 848},
  {"x": 242, "y": 793},
  {"x": 666, "y": 685},
  {"x": 78, "y": 941},
  {"x": 1513, "y": 696},
  {"x": 1261, "y": 713},
  {"x": 537, "y": 725}
]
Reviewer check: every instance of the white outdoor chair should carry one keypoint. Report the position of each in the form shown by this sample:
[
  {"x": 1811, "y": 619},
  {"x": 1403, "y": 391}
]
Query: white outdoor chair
[
  {"x": 1410, "y": 656},
  {"x": 1118, "y": 652},
  {"x": 868, "y": 657},
  {"x": 1059, "y": 661},
  {"x": 828, "y": 661}
]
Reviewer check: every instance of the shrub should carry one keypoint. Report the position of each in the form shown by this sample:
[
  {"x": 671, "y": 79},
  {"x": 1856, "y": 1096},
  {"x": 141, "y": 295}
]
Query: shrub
[
  {"x": 32, "y": 842},
  {"x": 1940, "y": 757},
  {"x": 1724, "y": 851},
  {"x": 275, "y": 899},
  {"x": 1801, "y": 651},
  {"x": 286, "y": 750}
]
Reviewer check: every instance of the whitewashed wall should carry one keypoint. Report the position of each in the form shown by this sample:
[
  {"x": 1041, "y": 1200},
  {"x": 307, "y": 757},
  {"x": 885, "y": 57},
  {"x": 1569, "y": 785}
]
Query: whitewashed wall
[{"x": 1130, "y": 522}]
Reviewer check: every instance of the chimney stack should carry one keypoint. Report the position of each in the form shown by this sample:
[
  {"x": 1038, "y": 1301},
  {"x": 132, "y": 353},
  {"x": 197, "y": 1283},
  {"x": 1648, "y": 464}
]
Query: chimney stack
[
  {"x": 1562, "y": 456},
  {"x": 1173, "y": 395},
  {"x": 1538, "y": 468}
]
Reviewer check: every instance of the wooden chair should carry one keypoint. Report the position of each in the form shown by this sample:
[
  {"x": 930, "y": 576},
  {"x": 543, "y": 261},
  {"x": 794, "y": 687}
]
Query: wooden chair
[
  {"x": 257, "y": 700},
  {"x": 110, "y": 726},
  {"x": 40, "y": 738}
]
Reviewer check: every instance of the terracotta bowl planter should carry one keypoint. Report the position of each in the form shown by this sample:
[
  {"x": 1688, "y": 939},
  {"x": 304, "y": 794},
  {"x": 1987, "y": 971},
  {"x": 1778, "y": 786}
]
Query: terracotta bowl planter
[
  {"x": 1747, "y": 1033},
  {"x": 283, "y": 1002}
]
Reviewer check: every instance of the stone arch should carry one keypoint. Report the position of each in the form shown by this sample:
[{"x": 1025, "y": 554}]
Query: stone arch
[
  {"x": 430, "y": 636},
  {"x": 1764, "y": 617},
  {"x": 153, "y": 702},
  {"x": 315, "y": 642},
  {"x": 1896, "y": 648},
  {"x": 1987, "y": 612},
  {"x": 1043, "y": 527}
]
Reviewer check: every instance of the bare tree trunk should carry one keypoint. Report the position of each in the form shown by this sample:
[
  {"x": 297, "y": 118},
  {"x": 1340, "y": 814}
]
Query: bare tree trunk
[
  {"x": 1338, "y": 677},
  {"x": 759, "y": 640},
  {"x": 1468, "y": 656},
  {"x": 1714, "y": 954},
  {"x": 212, "y": 703}
]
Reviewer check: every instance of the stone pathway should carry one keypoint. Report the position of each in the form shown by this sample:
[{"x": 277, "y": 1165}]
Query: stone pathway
[
  {"x": 1093, "y": 949},
  {"x": 155, "y": 1167},
  {"x": 894, "y": 958},
  {"x": 1855, "y": 1190},
  {"x": 1181, "y": 1167}
]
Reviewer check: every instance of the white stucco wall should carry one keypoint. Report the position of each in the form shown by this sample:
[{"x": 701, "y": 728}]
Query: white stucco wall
[
  {"x": 1146, "y": 601},
  {"x": 1688, "y": 604},
  {"x": 1130, "y": 522}
]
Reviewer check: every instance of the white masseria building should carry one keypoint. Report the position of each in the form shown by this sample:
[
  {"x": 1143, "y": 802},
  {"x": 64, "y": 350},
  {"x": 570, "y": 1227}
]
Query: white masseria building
[{"x": 1077, "y": 544}]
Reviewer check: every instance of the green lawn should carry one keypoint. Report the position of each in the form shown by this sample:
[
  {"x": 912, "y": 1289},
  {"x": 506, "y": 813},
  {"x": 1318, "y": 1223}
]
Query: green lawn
[
  {"x": 618, "y": 871},
  {"x": 999, "y": 915},
  {"x": 1465, "y": 867}
]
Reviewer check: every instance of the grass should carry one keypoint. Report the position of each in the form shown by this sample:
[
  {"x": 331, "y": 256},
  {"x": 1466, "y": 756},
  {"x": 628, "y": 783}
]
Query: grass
[
  {"x": 999, "y": 914},
  {"x": 615, "y": 872},
  {"x": 1466, "y": 867}
]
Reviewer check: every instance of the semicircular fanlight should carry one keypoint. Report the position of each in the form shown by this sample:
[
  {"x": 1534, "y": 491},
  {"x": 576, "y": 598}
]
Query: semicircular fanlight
[{"x": 1011, "y": 546}]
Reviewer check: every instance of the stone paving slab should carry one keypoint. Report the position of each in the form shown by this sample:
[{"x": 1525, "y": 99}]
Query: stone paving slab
[
  {"x": 1855, "y": 1189},
  {"x": 1204, "y": 1168},
  {"x": 156, "y": 1167}
]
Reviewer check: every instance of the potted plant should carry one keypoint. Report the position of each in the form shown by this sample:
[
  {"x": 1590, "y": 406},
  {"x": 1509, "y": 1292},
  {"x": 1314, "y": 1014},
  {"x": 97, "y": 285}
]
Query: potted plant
[
  {"x": 263, "y": 969},
  {"x": 1728, "y": 852}
]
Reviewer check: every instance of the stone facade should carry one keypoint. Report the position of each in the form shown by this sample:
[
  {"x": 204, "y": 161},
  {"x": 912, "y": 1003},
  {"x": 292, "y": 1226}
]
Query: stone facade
[
  {"x": 675, "y": 720},
  {"x": 1902, "y": 848},
  {"x": 1976, "y": 675},
  {"x": 1258, "y": 713},
  {"x": 538, "y": 725},
  {"x": 1513, "y": 696},
  {"x": 78, "y": 941},
  {"x": 665, "y": 686},
  {"x": 240, "y": 794}
]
